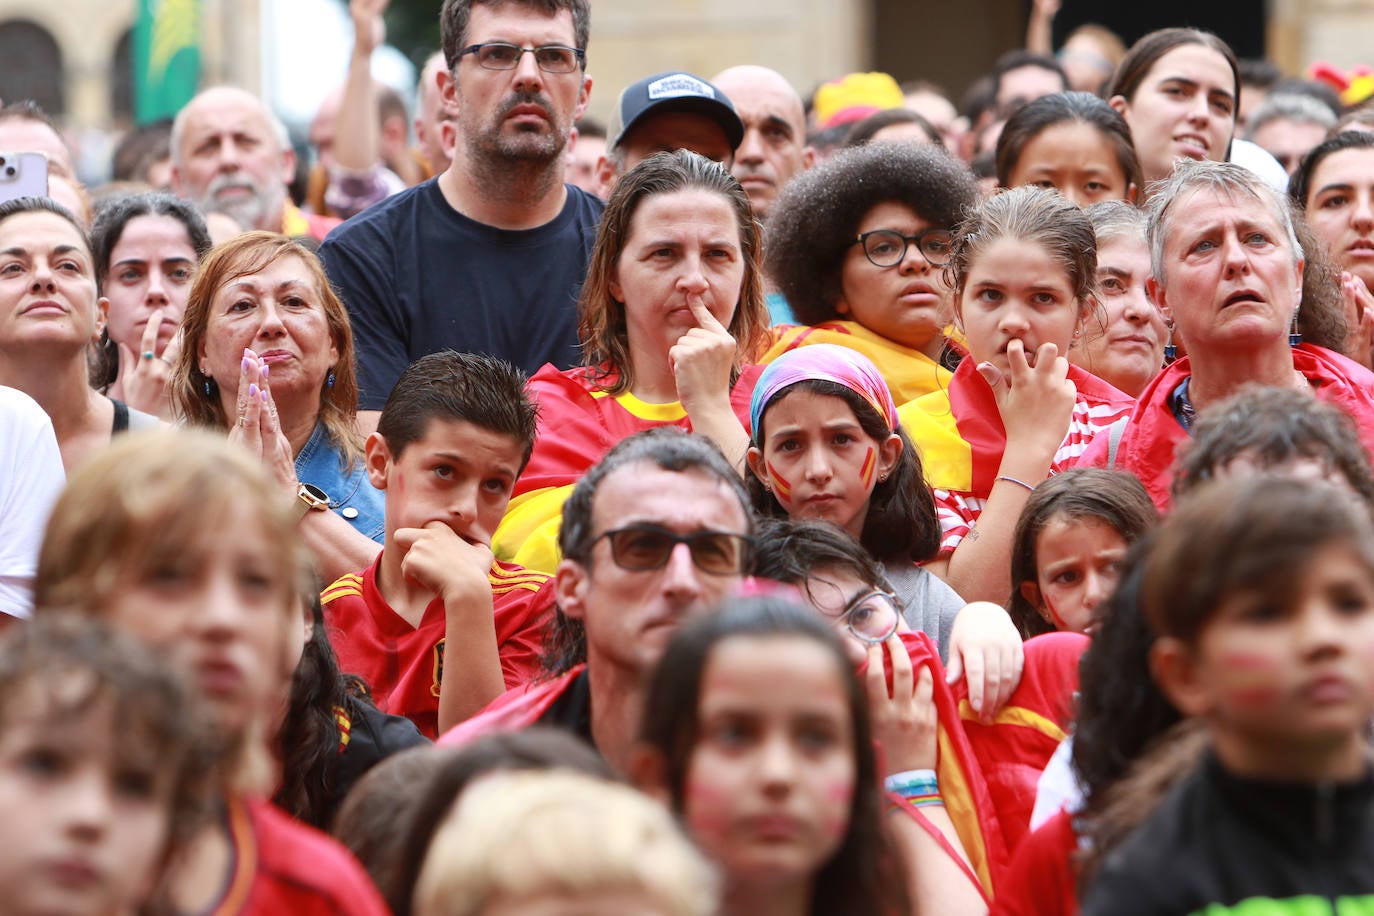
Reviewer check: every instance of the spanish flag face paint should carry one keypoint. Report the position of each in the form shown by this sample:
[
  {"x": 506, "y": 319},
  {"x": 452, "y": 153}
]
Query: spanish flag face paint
[
  {"x": 782, "y": 488},
  {"x": 818, "y": 460}
]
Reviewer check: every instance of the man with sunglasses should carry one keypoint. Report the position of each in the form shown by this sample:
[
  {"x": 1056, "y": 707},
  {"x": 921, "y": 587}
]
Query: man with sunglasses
[
  {"x": 489, "y": 256},
  {"x": 656, "y": 532}
]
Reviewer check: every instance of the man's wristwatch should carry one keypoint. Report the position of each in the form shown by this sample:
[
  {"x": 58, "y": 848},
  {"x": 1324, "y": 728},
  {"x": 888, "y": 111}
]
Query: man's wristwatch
[{"x": 310, "y": 498}]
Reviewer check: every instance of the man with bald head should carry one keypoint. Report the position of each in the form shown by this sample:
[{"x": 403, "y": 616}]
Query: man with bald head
[
  {"x": 435, "y": 135},
  {"x": 231, "y": 155},
  {"x": 24, "y": 127},
  {"x": 774, "y": 146}
]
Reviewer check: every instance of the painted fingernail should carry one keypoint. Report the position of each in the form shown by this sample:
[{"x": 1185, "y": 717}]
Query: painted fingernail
[
  {"x": 252, "y": 391},
  {"x": 263, "y": 392},
  {"x": 244, "y": 364},
  {"x": 265, "y": 367}
]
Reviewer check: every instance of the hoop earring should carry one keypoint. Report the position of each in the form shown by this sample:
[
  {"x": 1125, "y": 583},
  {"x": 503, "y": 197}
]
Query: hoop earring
[
  {"x": 1294, "y": 335},
  {"x": 1170, "y": 349}
]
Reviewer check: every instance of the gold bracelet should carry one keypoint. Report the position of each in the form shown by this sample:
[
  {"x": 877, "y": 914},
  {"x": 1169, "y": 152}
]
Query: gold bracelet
[{"x": 1020, "y": 483}]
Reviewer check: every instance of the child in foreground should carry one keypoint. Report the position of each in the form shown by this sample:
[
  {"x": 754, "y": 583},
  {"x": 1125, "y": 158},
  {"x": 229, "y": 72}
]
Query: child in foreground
[
  {"x": 756, "y": 733},
  {"x": 1262, "y": 593},
  {"x": 100, "y": 747},
  {"x": 178, "y": 538}
]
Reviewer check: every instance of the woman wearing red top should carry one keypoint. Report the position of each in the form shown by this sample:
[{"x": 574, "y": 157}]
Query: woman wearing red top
[{"x": 671, "y": 310}]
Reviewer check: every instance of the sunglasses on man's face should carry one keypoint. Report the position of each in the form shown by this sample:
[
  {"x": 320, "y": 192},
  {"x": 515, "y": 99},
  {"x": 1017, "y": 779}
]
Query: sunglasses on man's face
[{"x": 640, "y": 548}]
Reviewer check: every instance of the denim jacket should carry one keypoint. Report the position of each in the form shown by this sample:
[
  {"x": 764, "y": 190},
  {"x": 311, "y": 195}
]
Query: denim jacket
[{"x": 351, "y": 494}]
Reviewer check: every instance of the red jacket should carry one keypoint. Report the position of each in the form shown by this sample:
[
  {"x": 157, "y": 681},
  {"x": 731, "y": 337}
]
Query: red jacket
[{"x": 1147, "y": 445}]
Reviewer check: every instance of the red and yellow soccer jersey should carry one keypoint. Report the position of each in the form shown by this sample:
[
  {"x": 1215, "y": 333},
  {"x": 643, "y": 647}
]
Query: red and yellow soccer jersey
[
  {"x": 404, "y": 665},
  {"x": 283, "y": 866},
  {"x": 579, "y": 422}
]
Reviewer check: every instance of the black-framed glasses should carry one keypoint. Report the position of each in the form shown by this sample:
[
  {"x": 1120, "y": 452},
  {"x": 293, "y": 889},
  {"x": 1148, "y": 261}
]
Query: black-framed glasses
[
  {"x": 872, "y": 616},
  {"x": 641, "y": 548},
  {"x": 502, "y": 55},
  {"x": 887, "y": 247}
]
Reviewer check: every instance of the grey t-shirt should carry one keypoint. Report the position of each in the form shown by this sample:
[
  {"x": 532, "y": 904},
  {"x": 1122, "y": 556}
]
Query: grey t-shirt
[{"x": 928, "y": 604}]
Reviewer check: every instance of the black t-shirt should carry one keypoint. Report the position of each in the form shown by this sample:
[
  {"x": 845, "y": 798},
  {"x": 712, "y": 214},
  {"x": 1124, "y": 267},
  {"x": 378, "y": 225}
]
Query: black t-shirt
[
  {"x": 1222, "y": 844},
  {"x": 572, "y": 711},
  {"x": 417, "y": 277}
]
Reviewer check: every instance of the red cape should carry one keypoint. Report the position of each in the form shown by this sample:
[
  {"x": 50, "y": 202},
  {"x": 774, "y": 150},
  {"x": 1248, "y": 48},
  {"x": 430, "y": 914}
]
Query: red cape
[{"x": 1014, "y": 749}]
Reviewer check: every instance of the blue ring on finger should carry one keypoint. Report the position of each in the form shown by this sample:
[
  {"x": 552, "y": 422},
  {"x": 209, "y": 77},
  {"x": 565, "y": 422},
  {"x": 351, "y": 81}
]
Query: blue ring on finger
[{"x": 148, "y": 354}]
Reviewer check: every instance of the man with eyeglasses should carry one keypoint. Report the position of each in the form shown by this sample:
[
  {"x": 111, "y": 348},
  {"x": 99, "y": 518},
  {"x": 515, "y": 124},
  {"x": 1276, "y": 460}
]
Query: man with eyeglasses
[
  {"x": 656, "y": 532},
  {"x": 488, "y": 257}
]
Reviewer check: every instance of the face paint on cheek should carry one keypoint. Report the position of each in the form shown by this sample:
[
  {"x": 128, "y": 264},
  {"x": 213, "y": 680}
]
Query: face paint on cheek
[
  {"x": 1259, "y": 696},
  {"x": 782, "y": 487},
  {"x": 1055, "y": 619},
  {"x": 1251, "y": 680},
  {"x": 704, "y": 810},
  {"x": 869, "y": 468},
  {"x": 839, "y": 793}
]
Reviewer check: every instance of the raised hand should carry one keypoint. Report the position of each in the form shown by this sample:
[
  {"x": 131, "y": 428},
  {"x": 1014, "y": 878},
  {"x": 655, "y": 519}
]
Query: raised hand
[
  {"x": 701, "y": 361},
  {"x": 905, "y": 721},
  {"x": 147, "y": 372},
  {"x": 446, "y": 564},
  {"x": 1034, "y": 396},
  {"x": 985, "y": 647},
  {"x": 1359, "y": 319},
  {"x": 369, "y": 29},
  {"x": 256, "y": 425}
]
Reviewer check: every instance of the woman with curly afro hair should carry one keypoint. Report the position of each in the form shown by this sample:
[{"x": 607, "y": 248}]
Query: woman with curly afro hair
[{"x": 858, "y": 246}]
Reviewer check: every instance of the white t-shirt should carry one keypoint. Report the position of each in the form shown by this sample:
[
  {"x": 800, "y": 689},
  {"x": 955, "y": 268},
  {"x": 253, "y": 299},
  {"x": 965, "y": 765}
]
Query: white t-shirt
[{"x": 31, "y": 477}]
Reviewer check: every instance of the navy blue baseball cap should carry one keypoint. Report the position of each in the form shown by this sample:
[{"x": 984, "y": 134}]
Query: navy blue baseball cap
[{"x": 673, "y": 91}]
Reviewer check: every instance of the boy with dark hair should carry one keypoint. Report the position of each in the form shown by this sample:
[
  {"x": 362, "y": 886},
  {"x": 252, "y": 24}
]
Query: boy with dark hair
[
  {"x": 1261, "y": 592},
  {"x": 453, "y": 437}
]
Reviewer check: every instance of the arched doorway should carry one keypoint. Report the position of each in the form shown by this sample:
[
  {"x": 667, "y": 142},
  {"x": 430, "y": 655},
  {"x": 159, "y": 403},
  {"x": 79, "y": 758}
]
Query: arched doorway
[{"x": 33, "y": 66}]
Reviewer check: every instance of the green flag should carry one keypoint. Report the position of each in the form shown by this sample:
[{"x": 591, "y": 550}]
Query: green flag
[{"x": 166, "y": 57}]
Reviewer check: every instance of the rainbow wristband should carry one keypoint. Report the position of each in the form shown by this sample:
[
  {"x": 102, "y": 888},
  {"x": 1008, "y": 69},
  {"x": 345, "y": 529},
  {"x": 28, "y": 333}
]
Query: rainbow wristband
[{"x": 918, "y": 788}]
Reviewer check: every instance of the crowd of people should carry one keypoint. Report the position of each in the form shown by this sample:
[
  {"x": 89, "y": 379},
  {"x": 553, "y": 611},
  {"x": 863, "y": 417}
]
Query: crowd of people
[{"x": 858, "y": 504}]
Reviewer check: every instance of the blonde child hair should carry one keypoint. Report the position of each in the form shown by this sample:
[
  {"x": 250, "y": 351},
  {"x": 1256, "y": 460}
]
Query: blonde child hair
[{"x": 530, "y": 834}]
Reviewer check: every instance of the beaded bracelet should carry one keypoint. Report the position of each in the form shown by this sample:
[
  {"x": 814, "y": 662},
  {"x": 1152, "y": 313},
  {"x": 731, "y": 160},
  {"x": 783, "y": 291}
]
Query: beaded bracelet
[{"x": 918, "y": 788}]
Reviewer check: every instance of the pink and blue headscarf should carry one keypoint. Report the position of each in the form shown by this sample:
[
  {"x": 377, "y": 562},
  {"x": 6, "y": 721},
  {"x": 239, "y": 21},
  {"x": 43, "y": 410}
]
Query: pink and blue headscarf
[{"x": 822, "y": 362}]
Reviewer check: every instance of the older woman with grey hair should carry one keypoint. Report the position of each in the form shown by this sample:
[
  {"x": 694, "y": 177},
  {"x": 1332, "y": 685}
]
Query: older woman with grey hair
[{"x": 1226, "y": 269}]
